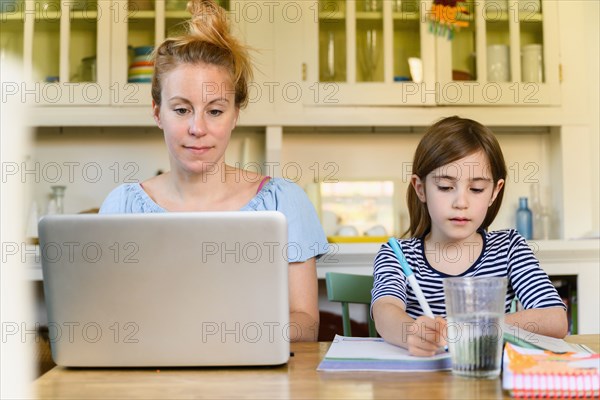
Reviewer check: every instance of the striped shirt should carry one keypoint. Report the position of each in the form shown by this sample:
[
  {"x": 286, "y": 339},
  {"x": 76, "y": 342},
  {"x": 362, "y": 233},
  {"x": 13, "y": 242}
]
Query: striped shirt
[{"x": 505, "y": 254}]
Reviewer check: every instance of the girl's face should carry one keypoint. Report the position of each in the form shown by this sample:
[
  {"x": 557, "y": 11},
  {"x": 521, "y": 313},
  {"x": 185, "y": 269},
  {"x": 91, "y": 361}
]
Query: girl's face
[
  {"x": 197, "y": 115},
  {"x": 458, "y": 196}
]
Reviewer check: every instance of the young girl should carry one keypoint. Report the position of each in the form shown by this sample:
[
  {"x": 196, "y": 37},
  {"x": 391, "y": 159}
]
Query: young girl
[
  {"x": 456, "y": 191},
  {"x": 200, "y": 83}
]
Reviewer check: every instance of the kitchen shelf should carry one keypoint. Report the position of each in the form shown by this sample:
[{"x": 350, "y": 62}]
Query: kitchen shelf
[
  {"x": 333, "y": 15},
  {"x": 143, "y": 15},
  {"x": 504, "y": 15},
  {"x": 405, "y": 16}
]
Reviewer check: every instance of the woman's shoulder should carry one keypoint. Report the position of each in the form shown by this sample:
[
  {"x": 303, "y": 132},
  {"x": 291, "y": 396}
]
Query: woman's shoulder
[
  {"x": 283, "y": 184},
  {"x": 278, "y": 193},
  {"x": 129, "y": 198},
  {"x": 123, "y": 191}
]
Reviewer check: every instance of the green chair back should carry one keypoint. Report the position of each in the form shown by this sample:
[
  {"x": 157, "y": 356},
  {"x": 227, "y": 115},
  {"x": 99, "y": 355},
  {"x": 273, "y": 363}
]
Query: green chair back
[{"x": 349, "y": 288}]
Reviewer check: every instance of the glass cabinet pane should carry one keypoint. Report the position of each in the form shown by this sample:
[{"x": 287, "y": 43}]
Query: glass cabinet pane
[
  {"x": 141, "y": 35},
  {"x": 332, "y": 41},
  {"x": 463, "y": 44},
  {"x": 176, "y": 15},
  {"x": 145, "y": 27},
  {"x": 496, "y": 16},
  {"x": 369, "y": 41},
  {"x": 46, "y": 41},
  {"x": 407, "y": 37},
  {"x": 83, "y": 38},
  {"x": 11, "y": 29},
  {"x": 532, "y": 40}
]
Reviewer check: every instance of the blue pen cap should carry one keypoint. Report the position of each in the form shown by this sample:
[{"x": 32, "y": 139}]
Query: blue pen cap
[{"x": 400, "y": 256}]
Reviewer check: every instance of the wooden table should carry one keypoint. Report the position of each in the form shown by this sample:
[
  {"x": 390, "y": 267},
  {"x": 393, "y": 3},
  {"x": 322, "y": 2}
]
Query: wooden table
[{"x": 298, "y": 379}]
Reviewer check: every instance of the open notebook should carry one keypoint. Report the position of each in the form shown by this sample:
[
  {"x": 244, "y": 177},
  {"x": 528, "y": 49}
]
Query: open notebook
[{"x": 374, "y": 354}]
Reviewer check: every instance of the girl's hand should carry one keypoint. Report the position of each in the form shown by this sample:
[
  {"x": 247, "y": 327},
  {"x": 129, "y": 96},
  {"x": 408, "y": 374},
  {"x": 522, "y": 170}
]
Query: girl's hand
[{"x": 426, "y": 336}]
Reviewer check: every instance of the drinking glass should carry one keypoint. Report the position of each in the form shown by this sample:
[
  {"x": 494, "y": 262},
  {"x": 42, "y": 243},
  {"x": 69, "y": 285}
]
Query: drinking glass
[
  {"x": 475, "y": 309},
  {"x": 330, "y": 58},
  {"x": 370, "y": 53}
]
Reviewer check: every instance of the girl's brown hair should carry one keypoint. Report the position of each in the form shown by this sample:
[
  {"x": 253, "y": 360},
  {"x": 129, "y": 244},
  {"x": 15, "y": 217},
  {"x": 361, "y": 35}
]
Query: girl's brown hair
[
  {"x": 447, "y": 141},
  {"x": 208, "y": 41}
]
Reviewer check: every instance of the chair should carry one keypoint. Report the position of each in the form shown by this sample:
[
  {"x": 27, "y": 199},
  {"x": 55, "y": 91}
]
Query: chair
[{"x": 346, "y": 289}]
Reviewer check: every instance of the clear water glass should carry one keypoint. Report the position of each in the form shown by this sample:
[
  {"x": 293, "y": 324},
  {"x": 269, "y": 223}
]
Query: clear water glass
[
  {"x": 475, "y": 309},
  {"x": 58, "y": 194}
]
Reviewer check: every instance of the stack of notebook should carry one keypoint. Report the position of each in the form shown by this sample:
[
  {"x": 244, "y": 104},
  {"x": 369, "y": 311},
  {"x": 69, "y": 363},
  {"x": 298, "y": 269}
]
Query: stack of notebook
[{"x": 536, "y": 373}]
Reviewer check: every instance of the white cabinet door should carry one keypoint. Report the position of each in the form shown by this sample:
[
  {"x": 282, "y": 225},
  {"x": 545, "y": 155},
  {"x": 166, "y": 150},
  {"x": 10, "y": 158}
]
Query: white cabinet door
[
  {"x": 507, "y": 55},
  {"x": 357, "y": 52},
  {"x": 64, "y": 50},
  {"x": 138, "y": 27}
]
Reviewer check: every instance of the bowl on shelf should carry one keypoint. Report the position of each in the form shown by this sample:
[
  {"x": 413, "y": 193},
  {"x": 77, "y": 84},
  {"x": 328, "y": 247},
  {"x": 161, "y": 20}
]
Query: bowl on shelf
[
  {"x": 142, "y": 67},
  {"x": 8, "y": 6},
  {"x": 143, "y": 51},
  {"x": 458, "y": 75}
]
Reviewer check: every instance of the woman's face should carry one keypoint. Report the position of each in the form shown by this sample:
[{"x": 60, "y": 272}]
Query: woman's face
[{"x": 197, "y": 114}]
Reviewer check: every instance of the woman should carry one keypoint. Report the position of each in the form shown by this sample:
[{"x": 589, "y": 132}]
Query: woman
[{"x": 200, "y": 83}]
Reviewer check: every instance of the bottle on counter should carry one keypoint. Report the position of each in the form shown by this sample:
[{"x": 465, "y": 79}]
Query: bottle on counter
[
  {"x": 58, "y": 196},
  {"x": 524, "y": 219},
  {"x": 542, "y": 216},
  {"x": 536, "y": 207}
]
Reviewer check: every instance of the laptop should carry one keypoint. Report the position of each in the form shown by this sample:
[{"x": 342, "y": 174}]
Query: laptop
[{"x": 167, "y": 290}]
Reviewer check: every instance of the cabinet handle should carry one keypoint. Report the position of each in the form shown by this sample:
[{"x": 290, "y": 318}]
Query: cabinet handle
[{"x": 304, "y": 72}]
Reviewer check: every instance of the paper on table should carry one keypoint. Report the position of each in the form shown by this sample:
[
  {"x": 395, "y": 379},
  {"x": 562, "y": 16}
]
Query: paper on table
[
  {"x": 523, "y": 338},
  {"x": 374, "y": 354}
]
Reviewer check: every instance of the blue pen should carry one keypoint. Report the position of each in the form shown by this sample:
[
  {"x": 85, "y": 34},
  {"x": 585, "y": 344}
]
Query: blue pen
[{"x": 411, "y": 279}]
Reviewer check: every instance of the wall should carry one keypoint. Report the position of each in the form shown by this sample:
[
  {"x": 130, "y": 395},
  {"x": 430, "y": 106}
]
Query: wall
[
  {"x": 92, "y": 161},
  {"x": 592, "y": 33},
  {"x": 387, "y": 156},
  {"x": 575, "y": 163}
]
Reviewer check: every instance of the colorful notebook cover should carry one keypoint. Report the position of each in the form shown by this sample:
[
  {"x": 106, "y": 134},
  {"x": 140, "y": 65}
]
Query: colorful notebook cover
[{"x": 534, "y": 373}]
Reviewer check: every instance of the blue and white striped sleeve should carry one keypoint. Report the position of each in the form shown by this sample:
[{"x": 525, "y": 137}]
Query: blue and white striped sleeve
[
  {"x": 530, "y": 283},
  {"x": 388, "y": 277}
]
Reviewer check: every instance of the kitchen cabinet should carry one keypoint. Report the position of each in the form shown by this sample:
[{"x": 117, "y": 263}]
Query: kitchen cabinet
[
  {"x": 137, "y": 25},
  {"x": 79, "y": 52},
  {"x": 359, "y": 50},
  {"x": 355, "y": 51},
  {"x": 515, "y": 28},
  {"x": 63, "y": 47}
]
